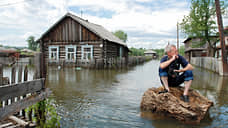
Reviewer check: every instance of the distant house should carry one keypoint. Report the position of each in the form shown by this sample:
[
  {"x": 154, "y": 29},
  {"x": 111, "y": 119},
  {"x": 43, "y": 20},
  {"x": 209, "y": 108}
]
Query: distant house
[
  {"x": 73, "y": 40},
  {"x": 193, "y": 51},
  {"x": 151, "y": 53},
  {"x": 27, "y": 50},
  {"x": 8, "y": 52}
]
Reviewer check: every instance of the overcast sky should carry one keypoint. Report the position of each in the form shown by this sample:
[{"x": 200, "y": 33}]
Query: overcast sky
[{"x": 148, "y": 23}]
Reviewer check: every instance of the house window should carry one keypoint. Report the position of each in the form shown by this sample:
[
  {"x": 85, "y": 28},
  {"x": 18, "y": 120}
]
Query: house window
[
  {"x": 121, "y": 51},
  {"x": 70, "y": 53},
  {"x": 87, "y": 52},
  {"x": 54, "y": 53}
]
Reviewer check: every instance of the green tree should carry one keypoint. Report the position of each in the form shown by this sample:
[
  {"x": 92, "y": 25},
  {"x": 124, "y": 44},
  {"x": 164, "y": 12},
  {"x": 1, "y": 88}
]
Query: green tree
[
  {"x": 181, "y": 50},
  {"x": 201, "y": 23},
  {"x": 137, "y": 52},
  {"x": 32, "y": 44},
  {"x": 121, "y": 35}
]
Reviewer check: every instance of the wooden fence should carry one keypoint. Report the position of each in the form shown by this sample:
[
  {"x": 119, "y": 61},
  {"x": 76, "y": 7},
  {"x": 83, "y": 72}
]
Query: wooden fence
[{"x": 17, "y": 94}]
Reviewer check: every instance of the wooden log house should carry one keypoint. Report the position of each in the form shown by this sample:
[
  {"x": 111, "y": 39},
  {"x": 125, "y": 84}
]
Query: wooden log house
[{"x": 73, "y": 40}]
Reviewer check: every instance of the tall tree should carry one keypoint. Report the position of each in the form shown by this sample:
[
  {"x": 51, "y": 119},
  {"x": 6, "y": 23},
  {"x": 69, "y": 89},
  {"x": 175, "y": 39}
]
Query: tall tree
[
  {"x": 181, "y": 50},
  {"x": 32, "y": 44},
  {"x": 121, "y": 35},
  {"x": 201, "y": 23}
]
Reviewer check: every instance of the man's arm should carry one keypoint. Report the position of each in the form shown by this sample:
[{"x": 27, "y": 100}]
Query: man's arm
[
  {"x": 188, "y": 67},
  {"x": 167, "y": 63}
]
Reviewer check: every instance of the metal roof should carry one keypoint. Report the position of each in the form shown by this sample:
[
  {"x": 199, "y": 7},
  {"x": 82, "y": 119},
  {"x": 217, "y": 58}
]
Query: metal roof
[
  {"x": 97, "y": 29},
  {"x": 149, "y": 51}
]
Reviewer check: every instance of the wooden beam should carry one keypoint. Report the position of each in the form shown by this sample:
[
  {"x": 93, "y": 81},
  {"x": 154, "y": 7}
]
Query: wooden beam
[
  {"x": 22, "y": 104},
  {"x": 6, "y": 125},
  {"x": 13, "y": 75},
  {"x": 20, "y": 74},
  {"x": 19, "y": 89},
  {"x": 19, "y": 121},
  {"x": 222, "y": 38},
  {"x": 1, "y": 74}
]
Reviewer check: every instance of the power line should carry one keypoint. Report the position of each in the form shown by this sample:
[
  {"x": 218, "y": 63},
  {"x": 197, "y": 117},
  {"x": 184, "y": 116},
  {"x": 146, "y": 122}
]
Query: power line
[{"x": 9, "y": 4}]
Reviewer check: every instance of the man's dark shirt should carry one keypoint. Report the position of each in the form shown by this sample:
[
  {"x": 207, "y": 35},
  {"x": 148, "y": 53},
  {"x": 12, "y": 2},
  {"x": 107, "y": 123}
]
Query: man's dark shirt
[{"x": 175, "y": 65}]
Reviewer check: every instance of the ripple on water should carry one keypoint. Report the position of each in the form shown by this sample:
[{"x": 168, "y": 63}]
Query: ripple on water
[{"x": 111, "y": 98}]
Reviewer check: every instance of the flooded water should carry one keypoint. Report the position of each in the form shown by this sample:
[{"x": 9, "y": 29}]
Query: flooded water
[{"x": 111, "y": 98}]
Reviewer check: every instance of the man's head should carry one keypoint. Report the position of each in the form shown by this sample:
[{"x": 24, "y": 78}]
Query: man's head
[{"x": 171, "y": 50}]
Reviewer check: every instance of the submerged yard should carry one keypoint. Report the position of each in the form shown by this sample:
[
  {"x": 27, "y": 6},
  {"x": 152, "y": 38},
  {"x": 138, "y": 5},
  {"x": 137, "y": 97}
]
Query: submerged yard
[{"x": 111, "y": 98}]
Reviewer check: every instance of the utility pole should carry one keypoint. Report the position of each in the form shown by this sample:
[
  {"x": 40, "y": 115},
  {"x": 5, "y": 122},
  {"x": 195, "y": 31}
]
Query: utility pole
[
  {"x": 177, "y": 37},
  {"x": 81, "y": 13},
  {"x": 221, "y": 35}
]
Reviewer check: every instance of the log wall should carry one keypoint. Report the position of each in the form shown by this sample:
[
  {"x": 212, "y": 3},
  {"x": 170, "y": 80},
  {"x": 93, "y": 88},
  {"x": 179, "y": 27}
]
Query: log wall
[{"x": 70, "y": 32}]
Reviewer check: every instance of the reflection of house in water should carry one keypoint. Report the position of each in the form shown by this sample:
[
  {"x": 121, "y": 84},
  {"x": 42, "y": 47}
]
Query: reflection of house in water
[
  {"x": 73, "y": 39},
  {"x": 151, "y": 53},
  {"x": 211, "y": 85}
]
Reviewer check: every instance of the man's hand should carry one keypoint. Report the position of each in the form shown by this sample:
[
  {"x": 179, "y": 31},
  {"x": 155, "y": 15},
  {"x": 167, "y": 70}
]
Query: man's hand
[
  {"x": 181, "y": 70},
  {"x": 188, "y": 67},
  {"x": 174, "y": 57}
]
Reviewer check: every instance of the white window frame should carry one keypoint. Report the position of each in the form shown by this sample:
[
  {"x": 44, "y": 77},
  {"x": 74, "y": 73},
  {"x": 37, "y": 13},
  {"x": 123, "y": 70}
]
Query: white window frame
[
  {"x": 57, "y": 55},
  {"x": 91, "y": 50},
  {"x": 121, "y": 51},
  {"x": 66, "y": 51}
]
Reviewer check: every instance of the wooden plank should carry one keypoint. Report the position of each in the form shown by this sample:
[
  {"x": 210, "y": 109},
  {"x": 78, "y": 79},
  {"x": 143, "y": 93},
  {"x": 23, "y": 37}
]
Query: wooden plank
[
  {"x": 19, "y": 121},
  {"x": 13, "y": 75},
  {"x": 69, "y": 30},
  {"x": 19, "y": 89},
  {"x": 66, "y": 30},
  {"x": 77, "y": 31},
  {"x": 25, "y": 79},
  {"x": 1, "y": 74},
  {"x": 64, "y": 33},
  {"x": 24, "y": 103},
  {"x": 6, "y": 125},
  {"x": 73, "y": 32},
  {"x": 26, "y": 73},
  {"x": 19, "y": 74},
  {"x": 14, "y": 126}
]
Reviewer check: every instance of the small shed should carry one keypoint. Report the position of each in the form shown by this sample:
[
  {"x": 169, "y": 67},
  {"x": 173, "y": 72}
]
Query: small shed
[
  {"x": 191, "y": 51},
  {"x": 75, "y": 40},
  {"x": 151, "y": 53},
  {"x": 8, "y": 52}
]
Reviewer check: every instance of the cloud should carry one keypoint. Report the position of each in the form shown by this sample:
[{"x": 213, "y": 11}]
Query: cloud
[{"x": 148, "y": 23}]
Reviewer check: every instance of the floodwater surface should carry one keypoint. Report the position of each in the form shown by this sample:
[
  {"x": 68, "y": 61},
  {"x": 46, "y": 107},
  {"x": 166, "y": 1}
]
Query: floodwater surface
[{"x": 111, "y": 98}]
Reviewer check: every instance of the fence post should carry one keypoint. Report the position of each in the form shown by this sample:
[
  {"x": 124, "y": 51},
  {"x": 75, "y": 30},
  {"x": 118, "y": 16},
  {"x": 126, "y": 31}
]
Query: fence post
[
  {"x": 1, "y": 80},
  {"x": 13, "y": 77},
  {"x": 19, "y": 74},
  {"x": 1, "y": 74},
  {"x": 13, "y": 74},
  {"x": 26, "y": 73},
  {"x": 25, "y": 79}
]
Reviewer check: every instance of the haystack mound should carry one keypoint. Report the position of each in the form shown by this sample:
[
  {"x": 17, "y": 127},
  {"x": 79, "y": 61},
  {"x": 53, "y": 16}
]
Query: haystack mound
[{"x": 171, "y": 105}]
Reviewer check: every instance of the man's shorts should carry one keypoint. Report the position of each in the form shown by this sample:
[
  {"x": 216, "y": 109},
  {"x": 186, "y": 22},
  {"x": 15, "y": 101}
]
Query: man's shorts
[{"x": 173, "y": 82}]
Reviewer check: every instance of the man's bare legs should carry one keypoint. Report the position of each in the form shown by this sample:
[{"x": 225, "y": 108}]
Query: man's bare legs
[
  {"x": 187, "y": 86},
  {"x": 186, "y": 83},
  {"x": 165, "y": 82}
]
